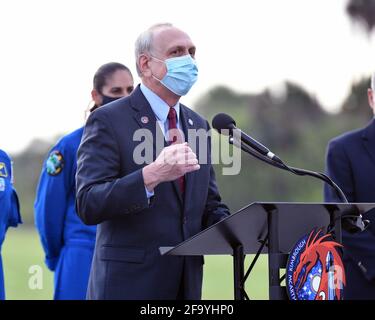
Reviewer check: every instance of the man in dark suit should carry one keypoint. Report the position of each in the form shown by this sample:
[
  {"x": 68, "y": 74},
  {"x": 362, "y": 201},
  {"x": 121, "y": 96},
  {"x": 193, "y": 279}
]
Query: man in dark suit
[
  {"x": 351, "y": 164},
  {"x": 140, "y": 207}
]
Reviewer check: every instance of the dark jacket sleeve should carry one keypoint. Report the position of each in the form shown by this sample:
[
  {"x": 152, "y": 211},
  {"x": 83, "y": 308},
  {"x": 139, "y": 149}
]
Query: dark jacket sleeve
[
  {"x": 215, "y": 210},
  {"x": 102, "y": 193},
  {"x": 338, "y": 168}
]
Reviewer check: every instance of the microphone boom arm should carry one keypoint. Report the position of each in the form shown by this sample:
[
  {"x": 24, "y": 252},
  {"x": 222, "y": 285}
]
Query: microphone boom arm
[{"x": 281, "y": 165}]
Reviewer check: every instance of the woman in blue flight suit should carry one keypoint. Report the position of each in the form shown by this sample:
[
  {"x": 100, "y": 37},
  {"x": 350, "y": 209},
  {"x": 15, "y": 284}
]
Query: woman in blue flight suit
[
  {"x": 67, "y": 242},
  {"x": 9, "y": 207}
]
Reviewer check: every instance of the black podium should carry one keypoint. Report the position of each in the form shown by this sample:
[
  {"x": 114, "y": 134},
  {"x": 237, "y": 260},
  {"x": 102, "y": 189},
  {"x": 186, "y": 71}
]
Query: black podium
[{"x": 272, "y": 228}]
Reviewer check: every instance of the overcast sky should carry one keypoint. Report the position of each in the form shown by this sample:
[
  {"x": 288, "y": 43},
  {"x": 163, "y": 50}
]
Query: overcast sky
[{"x": 50, "y": 50}]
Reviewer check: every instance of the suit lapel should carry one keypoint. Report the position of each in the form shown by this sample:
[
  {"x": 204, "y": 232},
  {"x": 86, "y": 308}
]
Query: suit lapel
[
  {"x": 368, "y": 138},
  {"x": 186, "y": 124},
  {"x": 146, "y": 119}
]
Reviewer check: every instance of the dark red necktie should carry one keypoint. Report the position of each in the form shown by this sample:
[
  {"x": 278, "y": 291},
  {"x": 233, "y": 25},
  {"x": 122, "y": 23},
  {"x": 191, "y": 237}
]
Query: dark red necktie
[{"x": 175, "y": 137}]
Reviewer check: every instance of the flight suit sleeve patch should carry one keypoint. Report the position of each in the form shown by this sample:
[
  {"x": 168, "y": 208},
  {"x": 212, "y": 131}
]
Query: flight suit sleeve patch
[
  {"x": 55, "y": 163},
  {"x": 3, "y": 170}
]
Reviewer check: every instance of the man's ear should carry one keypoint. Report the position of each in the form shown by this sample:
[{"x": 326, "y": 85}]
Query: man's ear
[
  {"x": 144, "y": 67},
  {"x": 96, "y": 97},
  {"x": 370, "y": 97}
]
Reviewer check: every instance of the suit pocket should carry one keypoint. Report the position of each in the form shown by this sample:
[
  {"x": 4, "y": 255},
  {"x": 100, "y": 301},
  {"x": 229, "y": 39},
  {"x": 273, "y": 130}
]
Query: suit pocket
[{"x": 123, "y": 254}]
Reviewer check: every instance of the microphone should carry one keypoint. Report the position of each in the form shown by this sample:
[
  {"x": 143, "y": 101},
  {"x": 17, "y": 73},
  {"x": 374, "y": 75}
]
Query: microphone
[{"x": 223, "y": 121}]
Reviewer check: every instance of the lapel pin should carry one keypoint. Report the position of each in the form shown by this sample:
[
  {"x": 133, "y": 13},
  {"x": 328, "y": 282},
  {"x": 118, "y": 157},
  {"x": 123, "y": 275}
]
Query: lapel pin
[
  {"x": 190, "y": 122},
  {"x": 144, "y": 119}
]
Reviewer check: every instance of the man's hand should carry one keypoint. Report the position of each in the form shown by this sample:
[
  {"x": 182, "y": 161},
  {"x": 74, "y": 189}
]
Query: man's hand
[{"x": 173, "y": 162}]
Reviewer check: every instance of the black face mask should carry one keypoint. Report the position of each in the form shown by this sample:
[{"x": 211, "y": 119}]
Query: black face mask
[{"x": 105, "y": 100}]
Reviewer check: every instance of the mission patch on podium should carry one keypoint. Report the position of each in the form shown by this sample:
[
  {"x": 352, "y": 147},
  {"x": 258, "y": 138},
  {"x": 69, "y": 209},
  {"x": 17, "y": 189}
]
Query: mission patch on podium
[{"x": 315, "y": 270}]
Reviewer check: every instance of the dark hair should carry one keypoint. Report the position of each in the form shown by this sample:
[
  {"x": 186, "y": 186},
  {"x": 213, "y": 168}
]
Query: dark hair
[{"x": 105, "y": 71}]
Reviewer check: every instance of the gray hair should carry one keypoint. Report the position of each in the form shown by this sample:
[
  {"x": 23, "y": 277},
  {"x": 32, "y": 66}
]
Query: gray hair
[
  {"x": 373, "y": 81},
  {"x": 143, "y": 44}
]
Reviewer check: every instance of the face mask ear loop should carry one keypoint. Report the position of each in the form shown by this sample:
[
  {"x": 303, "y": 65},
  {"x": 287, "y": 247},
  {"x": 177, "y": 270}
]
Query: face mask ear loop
[
  {"x": 157, "y": 79},
  {"x": 157, "y": 59}
]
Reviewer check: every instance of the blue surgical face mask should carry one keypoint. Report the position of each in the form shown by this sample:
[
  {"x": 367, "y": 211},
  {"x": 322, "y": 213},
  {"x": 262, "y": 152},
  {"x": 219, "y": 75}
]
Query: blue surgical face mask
[{"x": 182, "y": 73}]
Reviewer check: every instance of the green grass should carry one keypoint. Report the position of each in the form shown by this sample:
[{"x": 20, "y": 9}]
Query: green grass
[
  {"x": 218, "y": 278},
  {"x": 22, "y": 250}
]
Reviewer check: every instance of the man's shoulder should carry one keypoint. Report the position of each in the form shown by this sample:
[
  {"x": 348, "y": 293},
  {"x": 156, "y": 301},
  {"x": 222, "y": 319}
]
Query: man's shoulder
[
  {"x": 347, "y": 137},
  {"x": 113, "y": 109},
  {"x": 195, "y": 116}
]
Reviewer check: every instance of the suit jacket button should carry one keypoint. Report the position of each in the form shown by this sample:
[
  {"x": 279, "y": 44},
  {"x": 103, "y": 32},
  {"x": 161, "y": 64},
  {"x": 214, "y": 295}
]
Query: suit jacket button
[{"x": 184, "y": 220}]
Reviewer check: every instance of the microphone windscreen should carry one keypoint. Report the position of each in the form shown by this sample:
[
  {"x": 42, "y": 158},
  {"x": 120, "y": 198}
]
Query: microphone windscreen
[{"x": 223, "y": 121}]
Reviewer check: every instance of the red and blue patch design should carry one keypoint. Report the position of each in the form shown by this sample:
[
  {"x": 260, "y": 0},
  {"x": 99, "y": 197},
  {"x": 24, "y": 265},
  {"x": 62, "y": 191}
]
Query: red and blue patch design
[{"x": 315, "y": 270}]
